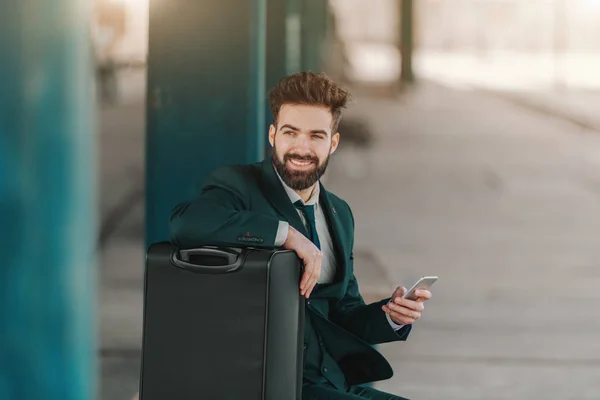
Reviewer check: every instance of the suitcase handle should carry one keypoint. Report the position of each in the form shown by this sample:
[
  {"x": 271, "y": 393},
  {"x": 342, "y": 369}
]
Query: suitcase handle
[{"x": 233, "y": 257}]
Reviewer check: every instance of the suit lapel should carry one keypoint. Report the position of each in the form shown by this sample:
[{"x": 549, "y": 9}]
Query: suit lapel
[
  {"x": 335, "y": 230},
  {"x": 276, "y": 195},
  {"x": 337, "y": 288}
]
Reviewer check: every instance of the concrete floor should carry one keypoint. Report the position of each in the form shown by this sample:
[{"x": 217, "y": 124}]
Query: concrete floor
[{"x": 501, "y": 202}]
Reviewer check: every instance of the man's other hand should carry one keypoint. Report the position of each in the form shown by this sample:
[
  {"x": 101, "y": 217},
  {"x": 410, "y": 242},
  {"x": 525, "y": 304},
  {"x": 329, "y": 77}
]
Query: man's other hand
[
  {"x": 310, "y": 255},
  {"x": 403, "y": 311}
]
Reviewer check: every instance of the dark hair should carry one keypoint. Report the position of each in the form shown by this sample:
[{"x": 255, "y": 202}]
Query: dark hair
[{"x": 309, "y": 88}]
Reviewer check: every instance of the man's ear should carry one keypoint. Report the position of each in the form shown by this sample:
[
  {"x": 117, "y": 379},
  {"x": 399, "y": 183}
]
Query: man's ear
[
  {"x": 335, "y": 141},
  {"x": 272, "y": 132}
]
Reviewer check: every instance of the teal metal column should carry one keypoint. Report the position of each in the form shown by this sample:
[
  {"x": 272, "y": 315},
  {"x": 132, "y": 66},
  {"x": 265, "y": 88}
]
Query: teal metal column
[
  {"x": 283, "y": 39},
  {"x": 206, "y": 97},
  {"x": 293, "y": 37},
  {"x": 283, "y": 47},
  {"x": 314, "y": 31},
  {"x": 47, "y": 202},
  {"x": 406, "y": 41}
]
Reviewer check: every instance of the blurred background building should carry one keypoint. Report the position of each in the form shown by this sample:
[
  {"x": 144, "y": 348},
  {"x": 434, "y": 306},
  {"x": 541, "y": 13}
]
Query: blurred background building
[
  {"x": 503, "y": 45},
  {"x": 482, "y": 170},
  {"x": 485, "y": 170},
  {"x": 120, "y": 45}
]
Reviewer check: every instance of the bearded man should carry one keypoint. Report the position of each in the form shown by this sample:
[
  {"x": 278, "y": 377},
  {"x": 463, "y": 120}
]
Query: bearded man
[{"x": 280, "y": 203}]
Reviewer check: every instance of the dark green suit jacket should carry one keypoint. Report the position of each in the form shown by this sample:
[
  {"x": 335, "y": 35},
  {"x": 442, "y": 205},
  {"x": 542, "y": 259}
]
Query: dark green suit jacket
[{"x": 242, "y": 205}]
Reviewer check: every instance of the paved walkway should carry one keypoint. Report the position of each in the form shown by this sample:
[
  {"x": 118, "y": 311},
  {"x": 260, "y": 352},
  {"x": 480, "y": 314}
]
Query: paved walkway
[
  {"x": 580, "y": 107},
  {"x": 566, "y": 86},
  {"x": 502, "y": 203}
]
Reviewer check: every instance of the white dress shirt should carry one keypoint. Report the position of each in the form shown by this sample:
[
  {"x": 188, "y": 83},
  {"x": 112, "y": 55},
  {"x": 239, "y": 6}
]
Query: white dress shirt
[{"x": 328, "y": 263}]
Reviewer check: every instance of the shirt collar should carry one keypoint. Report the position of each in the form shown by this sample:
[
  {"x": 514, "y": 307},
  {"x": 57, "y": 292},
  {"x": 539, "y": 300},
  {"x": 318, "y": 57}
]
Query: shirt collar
[{"x": 294, "y": 197}]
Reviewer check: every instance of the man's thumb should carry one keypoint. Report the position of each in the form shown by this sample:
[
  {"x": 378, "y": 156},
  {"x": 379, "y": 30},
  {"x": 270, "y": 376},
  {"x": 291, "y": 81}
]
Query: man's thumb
[{"x": 400, "y": 291}]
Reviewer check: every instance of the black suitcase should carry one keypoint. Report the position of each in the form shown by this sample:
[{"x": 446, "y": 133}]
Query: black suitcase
[{"x": 222, "y": 323}]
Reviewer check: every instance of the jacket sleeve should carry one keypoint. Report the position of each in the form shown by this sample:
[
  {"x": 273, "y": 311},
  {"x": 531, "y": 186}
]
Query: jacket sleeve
[
  {"x": 220, "y": 216},
  {"x": 368, "y": 322},
  {"x": 365, "y": 321}
]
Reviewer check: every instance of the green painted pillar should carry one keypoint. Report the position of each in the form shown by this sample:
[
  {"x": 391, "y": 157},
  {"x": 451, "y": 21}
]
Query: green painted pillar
[
  {"x": 406, "y": 41},
  {"x": 315, "y": 14},
  {"x": 283, "y": 39},
  {"x": 283, "y": 47},
  {"x": 47, "y": 202},
  {"x": 293, "y": 36},
  {"x": 206, "y": 97}
]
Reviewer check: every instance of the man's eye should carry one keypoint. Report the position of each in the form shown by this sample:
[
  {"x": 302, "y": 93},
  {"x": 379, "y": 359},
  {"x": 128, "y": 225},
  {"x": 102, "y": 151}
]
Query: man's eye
[{"x": 317, "y": 136}]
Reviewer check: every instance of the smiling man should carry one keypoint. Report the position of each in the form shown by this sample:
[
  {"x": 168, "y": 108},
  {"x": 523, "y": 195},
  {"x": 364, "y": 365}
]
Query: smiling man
[{"x": 280, "y": 202}]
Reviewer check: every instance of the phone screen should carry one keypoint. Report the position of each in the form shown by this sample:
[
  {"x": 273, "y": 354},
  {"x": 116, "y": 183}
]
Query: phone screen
[{"x": 423, "y": 283}]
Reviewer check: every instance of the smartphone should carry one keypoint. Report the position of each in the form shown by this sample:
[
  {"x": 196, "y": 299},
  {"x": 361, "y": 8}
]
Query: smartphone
[{"x": 423, "y": 283}]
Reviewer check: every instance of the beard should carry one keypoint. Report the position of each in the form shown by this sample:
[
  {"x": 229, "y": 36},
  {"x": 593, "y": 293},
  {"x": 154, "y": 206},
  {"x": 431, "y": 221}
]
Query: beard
[{"x": 299, "y": 180}]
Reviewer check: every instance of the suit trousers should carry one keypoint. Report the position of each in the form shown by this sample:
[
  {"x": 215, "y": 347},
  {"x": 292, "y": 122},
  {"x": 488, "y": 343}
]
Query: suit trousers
[{"x": 357, "y": 392}]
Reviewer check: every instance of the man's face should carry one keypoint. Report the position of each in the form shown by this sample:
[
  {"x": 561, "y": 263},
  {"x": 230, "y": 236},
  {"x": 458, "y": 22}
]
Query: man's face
[{"x": 302, "y": 144}]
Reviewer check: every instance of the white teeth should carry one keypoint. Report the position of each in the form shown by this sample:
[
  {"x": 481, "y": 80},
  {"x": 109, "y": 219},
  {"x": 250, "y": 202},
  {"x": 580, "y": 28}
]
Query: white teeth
[{"x": 302, "y": 163}]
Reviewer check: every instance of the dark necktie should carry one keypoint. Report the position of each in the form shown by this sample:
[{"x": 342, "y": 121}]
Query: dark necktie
[{"x": 309, "y": 216}]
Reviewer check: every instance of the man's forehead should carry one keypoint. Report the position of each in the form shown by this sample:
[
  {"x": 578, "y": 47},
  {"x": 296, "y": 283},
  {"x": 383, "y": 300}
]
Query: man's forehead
[{"x": 305, "y": 117}]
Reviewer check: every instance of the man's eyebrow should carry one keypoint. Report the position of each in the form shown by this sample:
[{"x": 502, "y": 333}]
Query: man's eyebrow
[
  {"x": 324, "y": 132},
  {"x": 289, "y": 127}
]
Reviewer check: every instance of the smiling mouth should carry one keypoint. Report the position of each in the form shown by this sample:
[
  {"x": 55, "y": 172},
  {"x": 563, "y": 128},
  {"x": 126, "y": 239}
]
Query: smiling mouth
[{"x": 300, "y": 163}]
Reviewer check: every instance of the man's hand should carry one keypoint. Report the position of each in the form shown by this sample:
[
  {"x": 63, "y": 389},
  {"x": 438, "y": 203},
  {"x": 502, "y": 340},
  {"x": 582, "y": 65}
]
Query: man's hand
[
  {"x": 310, "y": 255},
  {"x": 403, "y": 311}
]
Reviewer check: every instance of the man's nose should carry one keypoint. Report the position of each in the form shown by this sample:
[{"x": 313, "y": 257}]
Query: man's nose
[{"x": 303, "y": 144}]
